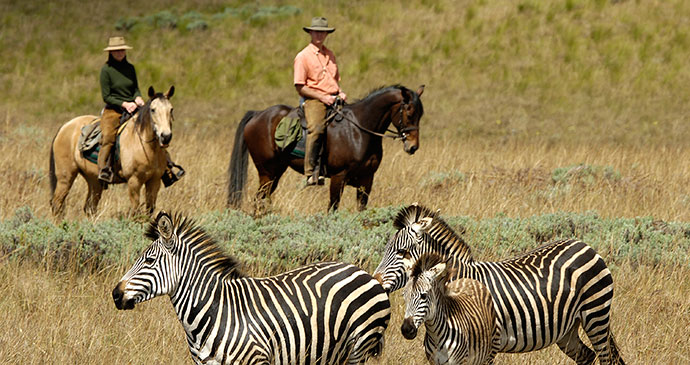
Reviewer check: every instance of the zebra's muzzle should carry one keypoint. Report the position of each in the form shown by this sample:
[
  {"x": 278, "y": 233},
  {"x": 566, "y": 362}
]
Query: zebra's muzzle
[
  {"x": 409, "y": 331},
  {"x": 119, "y": 297}
]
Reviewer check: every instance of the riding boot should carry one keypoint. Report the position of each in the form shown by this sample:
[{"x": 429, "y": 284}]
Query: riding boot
[
  {"x": 311, "y": 158},
  {"x": 105, "y": 170},
  {"x": 109, "y": 122}
]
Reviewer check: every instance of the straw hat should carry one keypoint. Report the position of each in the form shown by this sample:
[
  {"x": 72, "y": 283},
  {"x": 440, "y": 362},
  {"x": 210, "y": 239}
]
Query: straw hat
[
  {"x": 116, "y": 44},
  {"x": 320, "y": 24}
]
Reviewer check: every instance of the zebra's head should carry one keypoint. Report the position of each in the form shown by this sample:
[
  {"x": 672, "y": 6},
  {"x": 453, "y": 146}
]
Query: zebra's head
[
  {"x": 428, "y": 277},
  {"x": 420, "y": 230},
  {"x": 155, "y": 273},
  {"x": 406, "y": 242}
]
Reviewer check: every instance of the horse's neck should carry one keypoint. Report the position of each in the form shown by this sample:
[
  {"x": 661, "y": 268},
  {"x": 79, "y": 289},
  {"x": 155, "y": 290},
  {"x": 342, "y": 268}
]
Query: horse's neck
[
  {"x": 143, "y": 133},
  {"x": 374, "y": 114}
]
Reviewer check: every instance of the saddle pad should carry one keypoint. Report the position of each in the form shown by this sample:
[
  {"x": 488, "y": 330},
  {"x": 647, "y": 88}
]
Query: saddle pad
[
  {"x": 89, "y": 143},
  {"x": 290, "y": 134}
]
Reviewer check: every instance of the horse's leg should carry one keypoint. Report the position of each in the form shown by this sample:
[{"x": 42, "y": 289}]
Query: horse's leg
[
  {"x": 64, "y": 183},
  {"x": 267, "y": 186},
  {"x": 363, "y": 192},
  {"x": 152, "y": 188},
  {"x": 134, "y": 187},
  {"x": 336, "y": 190},
  {"x": 93, "y": 196}
]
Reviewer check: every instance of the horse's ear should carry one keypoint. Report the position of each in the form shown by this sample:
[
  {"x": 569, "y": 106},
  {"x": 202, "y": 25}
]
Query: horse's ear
[
  {"x": 152, "y": 92},
  {"x": 420, "y": 90},
  {"x": 170, "y": 92}
]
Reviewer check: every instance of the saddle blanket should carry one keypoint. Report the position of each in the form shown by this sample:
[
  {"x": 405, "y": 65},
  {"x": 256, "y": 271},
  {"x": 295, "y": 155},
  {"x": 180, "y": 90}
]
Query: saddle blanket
[
  {"x": 291, "y": 135},
  {"x": 89, "y": 143}
]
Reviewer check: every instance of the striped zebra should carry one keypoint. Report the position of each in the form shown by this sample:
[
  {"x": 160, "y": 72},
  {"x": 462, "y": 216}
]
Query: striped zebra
[
  {"x": 541, "y": 297},
  {"x": 458, "y": 315},
  {"x": 325, "y": 313}
]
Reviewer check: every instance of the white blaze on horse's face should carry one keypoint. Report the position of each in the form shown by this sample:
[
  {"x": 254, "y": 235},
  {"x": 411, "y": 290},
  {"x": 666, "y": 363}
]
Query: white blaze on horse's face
[{"x": 161, "y": 118}]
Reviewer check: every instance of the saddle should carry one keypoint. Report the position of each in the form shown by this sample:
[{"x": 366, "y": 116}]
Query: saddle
[
  {"x": 291, "y": 131},
  {"x": 89, "y": 143}
]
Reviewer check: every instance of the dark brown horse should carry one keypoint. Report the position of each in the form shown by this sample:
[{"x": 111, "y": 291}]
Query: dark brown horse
[{"x": 353, "y": 145}]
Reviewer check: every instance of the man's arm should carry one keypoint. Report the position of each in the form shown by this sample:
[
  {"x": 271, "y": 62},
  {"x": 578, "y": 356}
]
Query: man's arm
[{"x": 310, "y": 93}]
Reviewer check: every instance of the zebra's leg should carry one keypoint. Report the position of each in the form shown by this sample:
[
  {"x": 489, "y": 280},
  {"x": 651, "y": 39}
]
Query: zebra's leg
[
  {"x": 573, "y": 346},
  {"x": 605, "y": 347}
]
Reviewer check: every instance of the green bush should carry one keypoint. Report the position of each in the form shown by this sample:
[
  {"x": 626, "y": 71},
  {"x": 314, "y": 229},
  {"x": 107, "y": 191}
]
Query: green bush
[{"x": 275, "y": 243}]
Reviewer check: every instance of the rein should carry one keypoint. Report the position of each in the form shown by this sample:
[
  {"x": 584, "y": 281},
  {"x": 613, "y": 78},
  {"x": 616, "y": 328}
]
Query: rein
[{"x": 401, "y": 134}]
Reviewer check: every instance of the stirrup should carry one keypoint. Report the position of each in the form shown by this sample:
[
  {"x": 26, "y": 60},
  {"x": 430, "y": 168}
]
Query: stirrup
[
  {"x": 169, "y": 177},
  {"x": 106, "y": 175}
]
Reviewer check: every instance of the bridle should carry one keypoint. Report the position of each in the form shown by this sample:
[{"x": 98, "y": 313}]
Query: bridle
[
  {"x": 400, "y": 134},
  {"x": 150, "y": 121}
]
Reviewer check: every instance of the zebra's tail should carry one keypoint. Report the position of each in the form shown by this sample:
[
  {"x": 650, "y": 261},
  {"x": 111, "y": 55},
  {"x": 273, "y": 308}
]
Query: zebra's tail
[
  {"x": 615, "y": 355},
  {"x": 237, "y": 170}
]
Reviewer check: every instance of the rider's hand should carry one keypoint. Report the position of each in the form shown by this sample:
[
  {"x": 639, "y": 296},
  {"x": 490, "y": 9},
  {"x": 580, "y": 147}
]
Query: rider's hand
[
  {"x": 129, "y": 106},
  {"x": 342, "y": 96},
  {"x": 328, "y": 99},
  {"x": 139, "y": 101}
]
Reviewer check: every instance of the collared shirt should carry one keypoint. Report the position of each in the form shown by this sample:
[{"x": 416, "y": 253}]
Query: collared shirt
[{"x": 317, "y": 69}]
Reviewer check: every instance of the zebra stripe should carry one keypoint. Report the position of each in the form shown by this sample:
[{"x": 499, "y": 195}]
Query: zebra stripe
[
  {"x": 459, "y": 315},
  {"x": 541, "y": 297},
  {"x": 324, "y": 313}
]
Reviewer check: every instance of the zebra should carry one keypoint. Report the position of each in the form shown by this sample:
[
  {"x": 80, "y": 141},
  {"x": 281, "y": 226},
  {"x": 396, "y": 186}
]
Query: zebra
[
  {"x": 323, "y": 313},
  {"x": 541, "y": 297},
  {"x": 458, "y": 315}
]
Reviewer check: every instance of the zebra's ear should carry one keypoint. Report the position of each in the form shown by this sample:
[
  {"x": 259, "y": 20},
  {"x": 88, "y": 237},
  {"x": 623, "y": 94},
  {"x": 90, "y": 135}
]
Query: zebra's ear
[
  {"x": 165, "y": 228},
  {"x": 438, "y": 269}
]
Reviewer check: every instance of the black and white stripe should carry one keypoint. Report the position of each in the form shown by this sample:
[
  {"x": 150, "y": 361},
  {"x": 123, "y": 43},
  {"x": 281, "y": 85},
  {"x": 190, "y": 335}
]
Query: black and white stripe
[
  {"x": 541, "y": 297},
  {"x": 458, "y": 315},
  {"x": 325, "y": 313}
]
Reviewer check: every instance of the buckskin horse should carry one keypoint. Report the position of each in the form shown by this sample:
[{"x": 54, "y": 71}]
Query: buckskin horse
[
  {"x": 142, "y": 156},
  {"x": 353, "y": 149}
]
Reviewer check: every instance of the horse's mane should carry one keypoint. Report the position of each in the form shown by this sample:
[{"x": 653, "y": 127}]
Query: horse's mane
[
  {"x": 445, "y": 237},
  {"x": 145, "y": 111},
  {"x": 376, "y": 92},
  {"x": 188, "y": 233},
  {"x": 409, "y": 97}
]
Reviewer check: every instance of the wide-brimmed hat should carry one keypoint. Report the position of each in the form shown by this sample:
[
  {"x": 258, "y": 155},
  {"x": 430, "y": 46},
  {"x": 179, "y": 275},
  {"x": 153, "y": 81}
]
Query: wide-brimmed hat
[
  {"x": 116, "y": 44},
  {"x": 319, "y": 24}
]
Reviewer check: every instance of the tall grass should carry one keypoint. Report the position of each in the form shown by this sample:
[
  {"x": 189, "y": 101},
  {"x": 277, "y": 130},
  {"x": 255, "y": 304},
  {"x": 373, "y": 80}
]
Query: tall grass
[{"x": 532, "y": 108}]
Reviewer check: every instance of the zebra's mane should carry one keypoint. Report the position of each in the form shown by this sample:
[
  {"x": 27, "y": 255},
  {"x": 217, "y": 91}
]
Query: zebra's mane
[
  {"x": 445, "y": 237},
  {"x": 190, "y": 234},
  {"x": 425, "y": 262}
]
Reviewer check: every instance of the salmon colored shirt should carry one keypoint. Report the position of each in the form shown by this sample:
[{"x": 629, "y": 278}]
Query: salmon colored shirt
[{"x": 317, "y": 70}]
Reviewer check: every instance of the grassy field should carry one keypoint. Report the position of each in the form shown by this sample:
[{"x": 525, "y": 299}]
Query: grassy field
[{"x": 531, "y": 107}]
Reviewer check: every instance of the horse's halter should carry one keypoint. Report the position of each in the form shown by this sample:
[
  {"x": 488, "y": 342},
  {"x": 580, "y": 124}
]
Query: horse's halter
[
  {"x": 154, "y": 127},
  {"x": 403, "y": 120},
  {"x": 401, "y": 133}
]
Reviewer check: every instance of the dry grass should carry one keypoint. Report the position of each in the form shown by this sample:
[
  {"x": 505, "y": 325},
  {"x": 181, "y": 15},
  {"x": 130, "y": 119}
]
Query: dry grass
[{"x": 65, "y": 318}]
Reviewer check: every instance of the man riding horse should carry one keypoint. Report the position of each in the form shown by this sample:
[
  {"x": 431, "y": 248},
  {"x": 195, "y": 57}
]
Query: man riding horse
[{"x": 316, "y": 79}]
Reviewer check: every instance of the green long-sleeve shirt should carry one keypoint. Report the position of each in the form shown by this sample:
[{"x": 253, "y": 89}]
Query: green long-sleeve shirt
[{"x": 118, "y": 83}]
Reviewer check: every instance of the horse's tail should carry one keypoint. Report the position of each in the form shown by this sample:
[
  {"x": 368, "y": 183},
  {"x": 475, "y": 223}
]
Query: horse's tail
[
  {"x": 52, "y": 177},
  {"x": 237, "y": 170}
]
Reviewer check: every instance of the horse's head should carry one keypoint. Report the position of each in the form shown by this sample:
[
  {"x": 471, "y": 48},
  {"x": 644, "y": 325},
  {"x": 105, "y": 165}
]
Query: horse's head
[
  {"x": 410, "y": 111},
  {"x": 161, "y": 112}
]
